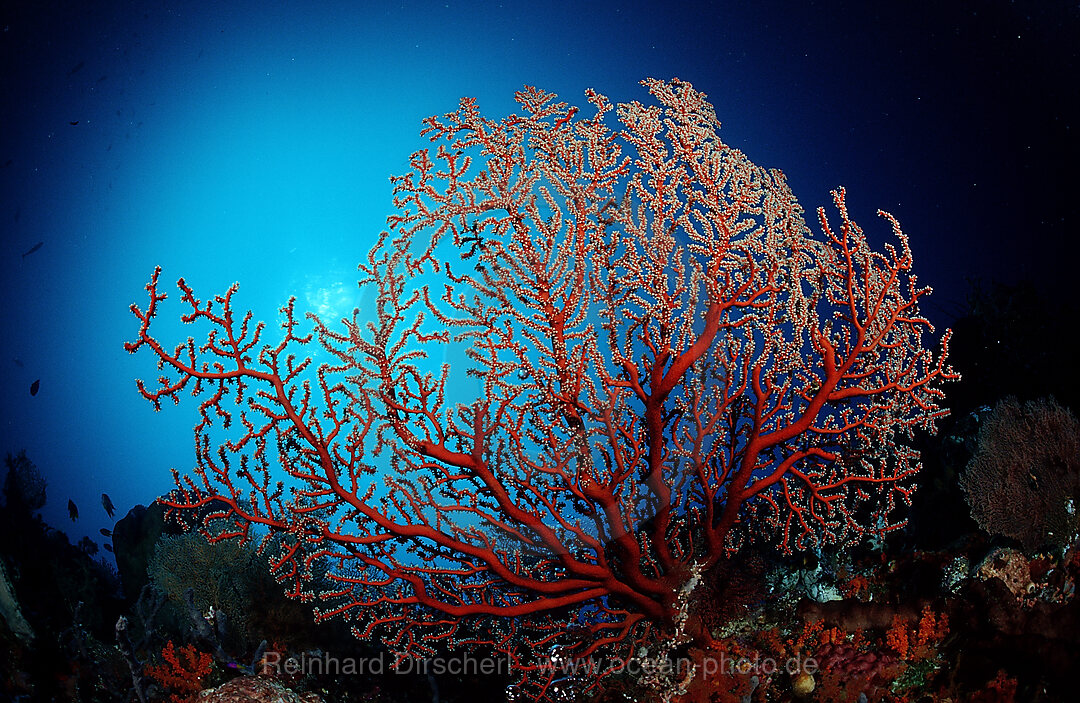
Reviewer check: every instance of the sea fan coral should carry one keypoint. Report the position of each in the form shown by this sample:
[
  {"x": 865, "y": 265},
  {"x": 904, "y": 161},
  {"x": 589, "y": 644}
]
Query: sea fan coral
[{"x": 1024, "y": 480}]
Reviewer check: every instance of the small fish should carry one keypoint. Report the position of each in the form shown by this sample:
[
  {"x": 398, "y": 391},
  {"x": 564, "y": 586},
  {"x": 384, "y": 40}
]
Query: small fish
[
  {"x": 105, "y": 533},
  {"x": 73, "y": 123},
  {"x": 73, "y": 510},
  {"x": 35, "y": 386},
  {"x": 78, "y": 67},
  {"x": 106, "y": 503},
  {"x": 34, "y": 248},
  {"x": 108, "y": 547}
]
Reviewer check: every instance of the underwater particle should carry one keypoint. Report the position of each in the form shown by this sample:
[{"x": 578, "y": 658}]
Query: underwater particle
[
  {"x": 73, "y": 510},
  {"x": 35, "y": 386},
  {"x": 513, "y": 693}
]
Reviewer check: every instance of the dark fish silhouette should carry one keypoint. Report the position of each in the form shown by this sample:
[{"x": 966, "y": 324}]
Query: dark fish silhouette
[
  {"x": 106, "y": 503},
  {"x": 73, "y": 510},
  {"x": 73, "y": 123},
  {"x": 105, "y": 533},
  {"x": 33, "y": 249},
  {"x": 34, "y": 387},
  {"x": 108, "y": 547},
  {"x": 78, "y": 67}
]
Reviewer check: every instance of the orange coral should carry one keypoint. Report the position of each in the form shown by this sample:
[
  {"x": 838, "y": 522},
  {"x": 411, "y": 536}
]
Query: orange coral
[
  {"x": 1001, "y": 689},
  {"x": 918, "y": 642},
  {"x": 856, "y": 587},
  {"x": 808, "y": 638},
  {"x": 771, "y": 641},
  {"x": 833, "y": 635},
  {"x": 897, "y": 637},
  {"x": 182, "y": 672},
  {"x": 932, "y": 628}
]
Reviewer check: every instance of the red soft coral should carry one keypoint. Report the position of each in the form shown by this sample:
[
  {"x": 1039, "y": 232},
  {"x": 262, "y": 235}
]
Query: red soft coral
[{"x": 183, "y": 673}]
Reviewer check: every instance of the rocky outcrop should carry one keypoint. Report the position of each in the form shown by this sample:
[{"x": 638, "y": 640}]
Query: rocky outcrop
[{"x": 9, "y": 608}]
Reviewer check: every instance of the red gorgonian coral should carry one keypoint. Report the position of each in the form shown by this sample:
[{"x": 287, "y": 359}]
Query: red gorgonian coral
[{"x": 661, "y": 357}]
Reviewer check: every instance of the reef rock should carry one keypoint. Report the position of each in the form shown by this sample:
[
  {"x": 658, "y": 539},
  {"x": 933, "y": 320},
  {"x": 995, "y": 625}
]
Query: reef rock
[{"x": 255, "y": 689}]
